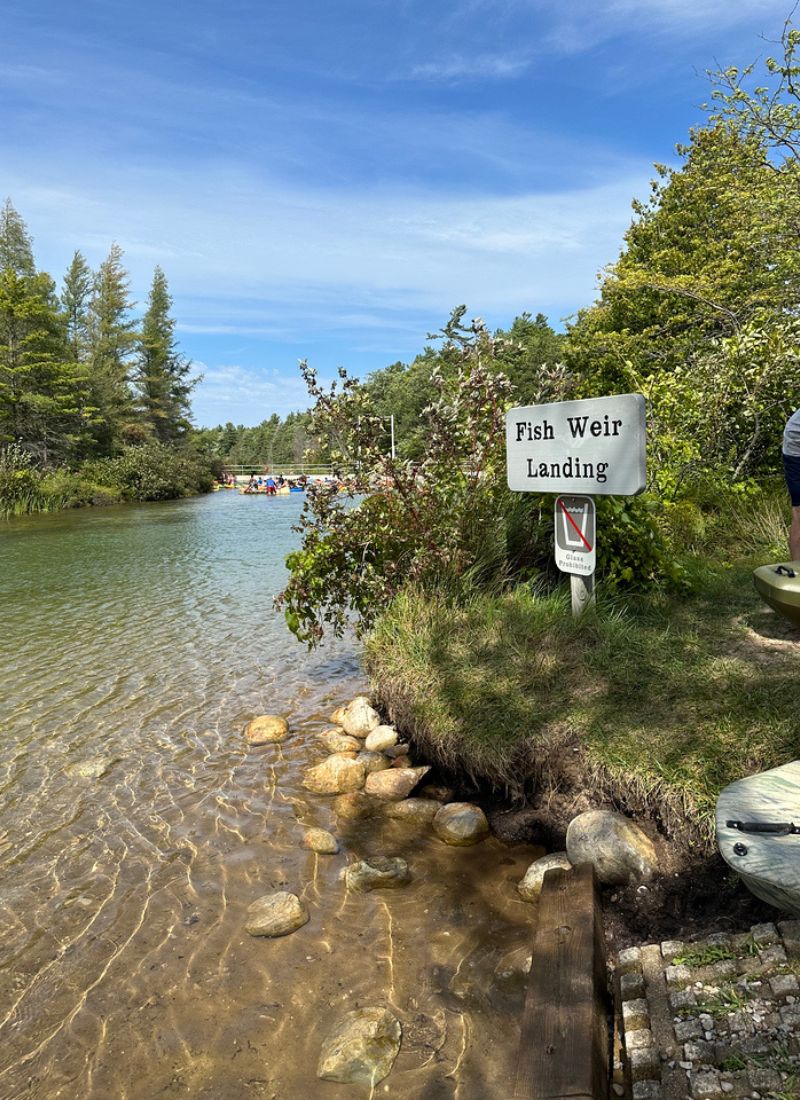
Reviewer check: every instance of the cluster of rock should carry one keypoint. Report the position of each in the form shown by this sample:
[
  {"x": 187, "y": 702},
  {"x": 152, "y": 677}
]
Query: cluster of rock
[
  {"x": 369, "y": 772},
  {"x": 713, "y": 1018},
  {"x": 620, "y": 852}
]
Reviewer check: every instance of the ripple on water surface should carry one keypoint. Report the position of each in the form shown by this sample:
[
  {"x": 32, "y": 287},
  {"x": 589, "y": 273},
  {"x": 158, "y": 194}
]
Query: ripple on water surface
[{"x": 136, "y": 828}]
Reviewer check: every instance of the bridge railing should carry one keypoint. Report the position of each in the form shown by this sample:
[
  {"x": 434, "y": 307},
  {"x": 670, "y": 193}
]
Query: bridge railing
[{"x": 286, "y": 469}]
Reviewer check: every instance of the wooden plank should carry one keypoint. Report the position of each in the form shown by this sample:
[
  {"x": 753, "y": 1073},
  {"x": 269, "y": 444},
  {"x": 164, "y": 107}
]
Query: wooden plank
[{"x": 564, "y": 1041}]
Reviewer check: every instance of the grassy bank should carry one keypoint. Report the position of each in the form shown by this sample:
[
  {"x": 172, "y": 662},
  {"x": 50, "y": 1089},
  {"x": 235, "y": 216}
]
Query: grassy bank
[
  {"x": 655, "y": 701},
  {"x": 147, "y": 472}
]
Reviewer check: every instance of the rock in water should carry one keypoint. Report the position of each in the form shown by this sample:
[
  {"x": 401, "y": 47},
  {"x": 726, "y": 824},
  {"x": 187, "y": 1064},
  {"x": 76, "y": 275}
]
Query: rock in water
[
  {"x": 266, "y": 729},
  {"x": 95, "y": 768},
  {"x": 531, "y": 885},
  {"x": 361, "y": 1048},
  {"x": 336, "y": 741},
  {"x": 395, "y": 783},
  {"x": 320, "y": 840},
  {"x": 377, "y": 873},
  {"x": 421, "y": 811},
  {"x": 357, "y": 718},
  {"x": 618, "y": 848},
  {"x": 276, "y": 914},
  {"x": 356, "y": 805},
  {"x": 374, "y": 761},
  {"x": 381, "y": 739},
  {"x": 339, "y": 773},
  {"x": 460, "y": 824}
]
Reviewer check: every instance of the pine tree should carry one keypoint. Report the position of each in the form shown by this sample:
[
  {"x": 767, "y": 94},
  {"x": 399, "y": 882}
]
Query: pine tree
[
  {"x": 16, "y": 249},
  {"x": 75, "y": 297},
  {"x": 162, "y": 373},
  {"x": 112, "y": 340}
]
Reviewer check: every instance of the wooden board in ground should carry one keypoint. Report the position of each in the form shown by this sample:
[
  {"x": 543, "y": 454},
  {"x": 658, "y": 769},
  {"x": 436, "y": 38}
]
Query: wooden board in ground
[{"x": 564, "y": 1041}]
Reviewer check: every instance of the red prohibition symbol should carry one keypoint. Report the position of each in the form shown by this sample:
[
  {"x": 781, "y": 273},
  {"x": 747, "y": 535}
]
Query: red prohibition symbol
[{"x": 574, "y": 524}]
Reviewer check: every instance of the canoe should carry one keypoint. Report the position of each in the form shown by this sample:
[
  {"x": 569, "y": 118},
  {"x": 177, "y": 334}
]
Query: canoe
[
  {"x": 758, "y": 833},
  {"x": 779, "y": 586}
]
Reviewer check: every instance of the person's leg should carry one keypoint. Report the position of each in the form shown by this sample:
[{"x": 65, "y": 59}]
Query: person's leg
[{"x": 794, "y": 535}]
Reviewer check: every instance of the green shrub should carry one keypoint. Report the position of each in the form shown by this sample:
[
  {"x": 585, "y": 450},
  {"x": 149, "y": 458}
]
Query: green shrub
[
  {"x": 20, "y": 491},
  {"x": 153, "y": 471}
]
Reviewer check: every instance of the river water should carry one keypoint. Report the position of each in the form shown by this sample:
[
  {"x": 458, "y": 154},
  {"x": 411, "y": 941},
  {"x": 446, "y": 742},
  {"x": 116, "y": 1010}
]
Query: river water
[{"x": 136, "y": 827}]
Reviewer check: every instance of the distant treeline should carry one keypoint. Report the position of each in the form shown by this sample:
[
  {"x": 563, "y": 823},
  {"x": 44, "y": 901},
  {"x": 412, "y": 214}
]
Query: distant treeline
[
  {"x": 94, "y": 401},
  {"x": 401, "y": 390}
]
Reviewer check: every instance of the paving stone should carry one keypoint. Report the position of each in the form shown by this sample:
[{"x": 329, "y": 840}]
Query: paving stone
[
  {"x": 740, "y": 1021},
  {"x": 705, "y": 1084},
  {"x": 635, "y": 1014},
  {"x": 645, "y": 1064},
  {"x": 774, "y": 955},
  {"x": 631, "y": 985},
  {"x": 790, "y": 1015},
  {"x": 754, "y": 1044},
  {"x": 700, "y": 1050},
  {"x": 639, "y": 1038},
  {"x": 688, "y": 1029},
  {"x": 764, "y": 1080},
  {"x": 717, "y": 939},
  {"x": 646, "y": 1090},
  {"x": 790, "y": 930},
  {"x": 630, "y": 958},
  {"x": 671, "y": 948},
  {"x": 682, "y": 998},
  {"x": 678, "y": 976},
  {"x": 764, "y": 933},
  {"x": 723, "y": 968}
]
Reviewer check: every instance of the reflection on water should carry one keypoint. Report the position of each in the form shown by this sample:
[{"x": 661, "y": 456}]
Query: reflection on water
[{"x": 136, "y": 828}]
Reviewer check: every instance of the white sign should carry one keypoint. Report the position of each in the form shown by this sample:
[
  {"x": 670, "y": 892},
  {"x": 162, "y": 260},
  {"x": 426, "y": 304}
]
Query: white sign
[
  {"x": 595, "y": 446},
  {"x": 575, "y": 535}
]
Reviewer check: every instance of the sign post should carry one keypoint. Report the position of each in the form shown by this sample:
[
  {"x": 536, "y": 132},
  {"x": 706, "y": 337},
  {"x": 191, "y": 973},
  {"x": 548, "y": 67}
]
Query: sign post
[
  {"x": 575, "y": 547},
  {"x": 577, "y": 448}
]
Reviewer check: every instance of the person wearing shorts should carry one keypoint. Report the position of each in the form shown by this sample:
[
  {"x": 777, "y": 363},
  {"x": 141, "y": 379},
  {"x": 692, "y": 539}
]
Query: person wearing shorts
[{"x": 791, "y": 469}]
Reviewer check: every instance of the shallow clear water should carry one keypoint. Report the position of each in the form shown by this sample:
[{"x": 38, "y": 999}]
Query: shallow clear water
[{"x": 136, "y": 827}]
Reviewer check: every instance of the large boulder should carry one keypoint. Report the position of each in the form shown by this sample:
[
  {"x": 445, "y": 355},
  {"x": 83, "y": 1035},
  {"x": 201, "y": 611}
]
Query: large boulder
[
  {"x": 361, "y": 1048},
  {"x": 374, "y": 761},
  {"x": 355, "y": 806},
  {"x": 395, "y": 783},
  {"x": 336, "y": 741},
  {"x": 461, "y": 824},
  {"x": 339, "y": 773},
  {"x": 377, "y": 873},
  {"x": 618, "y": 848},
  {"x": 531, "y": 885},
  {"x": 381, "y": 739},
  {"x": 276, "y": 914},
  {"x": 320, "y": 840},
  {"x": 266, "y": 729},
  {"x": 420, "y": 811},
  {"x": 357, "y": 718}
]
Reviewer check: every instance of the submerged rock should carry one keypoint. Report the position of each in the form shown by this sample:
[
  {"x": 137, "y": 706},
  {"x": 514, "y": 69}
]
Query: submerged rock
[
  {"x": 395, "y": 783},
  {"x": 421, "y": 811},
  {"x": 377, "y": 873},
  {"x": 361, "y": 1048},
  {"x": 339, "y": 773},
  {"x": 95, "y": 768},
  {"x": 320, "y": 840},
  {"x": 356, "y": 806},
  {"x": 374, "y": 761},
  {"x": 336, "y": 741},
  {"x": 618, "y": 848},
  {"x": 266, "y": 729},
  {"x": 276, "y": 914},
  {"x": 531, "y": 885},
  {"x": 381, "y": 739},
  {"x": 357, "y": 718},
  {"x": 460, "y": 824}
]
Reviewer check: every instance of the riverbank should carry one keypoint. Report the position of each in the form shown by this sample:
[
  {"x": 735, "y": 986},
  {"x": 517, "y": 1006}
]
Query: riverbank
[{"x": 147, "y": 472}]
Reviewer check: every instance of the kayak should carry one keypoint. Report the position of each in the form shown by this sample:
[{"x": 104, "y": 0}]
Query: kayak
[
  {"x": 758, "y": 833},
  {"x": 779, "y": 586}
]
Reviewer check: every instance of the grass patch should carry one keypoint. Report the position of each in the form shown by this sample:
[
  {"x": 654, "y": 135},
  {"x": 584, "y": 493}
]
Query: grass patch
[{"x": 660, "y": 700}]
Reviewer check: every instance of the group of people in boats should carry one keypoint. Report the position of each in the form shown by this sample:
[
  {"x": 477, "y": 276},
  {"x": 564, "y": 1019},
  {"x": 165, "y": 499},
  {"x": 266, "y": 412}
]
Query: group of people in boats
[{"x": 272, "y": 485}]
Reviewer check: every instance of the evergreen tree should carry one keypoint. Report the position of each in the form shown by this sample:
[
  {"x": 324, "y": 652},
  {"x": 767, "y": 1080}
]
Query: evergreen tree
[
  {"x": 75, "y": 298},
  {"x": 112, "y": 341},
  {"x": 162, "y": 373},
  {"x": 16, "y": 250}
]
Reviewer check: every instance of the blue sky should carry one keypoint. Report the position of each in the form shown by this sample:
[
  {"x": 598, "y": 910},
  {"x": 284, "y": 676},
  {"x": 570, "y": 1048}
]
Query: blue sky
[{"x": 328, "y": 179}]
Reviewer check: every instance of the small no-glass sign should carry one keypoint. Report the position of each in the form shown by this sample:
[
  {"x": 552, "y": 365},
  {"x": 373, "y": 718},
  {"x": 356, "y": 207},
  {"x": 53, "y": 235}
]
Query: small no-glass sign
[{"x": 575, "y": 535}]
